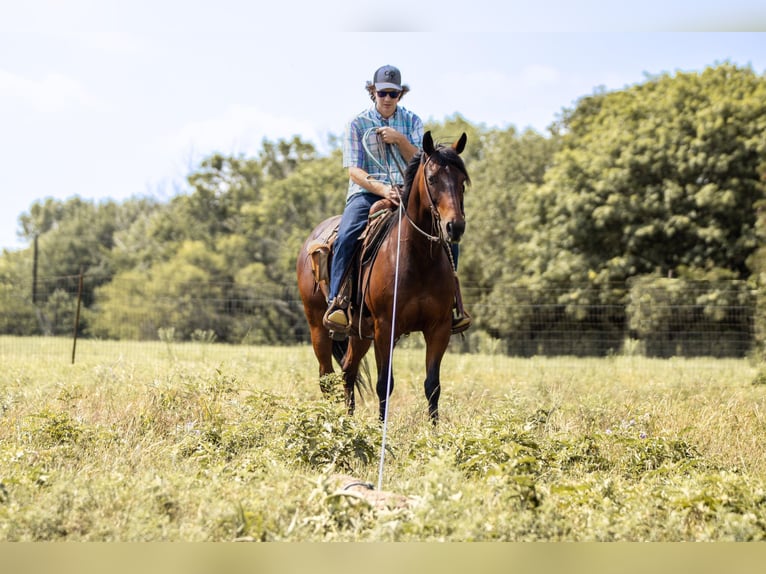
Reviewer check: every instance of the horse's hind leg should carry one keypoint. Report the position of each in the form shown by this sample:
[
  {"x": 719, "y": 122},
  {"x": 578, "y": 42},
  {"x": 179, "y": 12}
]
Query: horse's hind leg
[
  {"x": 322, "y": 344},
  {"x": 314, "y": 307},
  {"x": 356, "y": 350}
]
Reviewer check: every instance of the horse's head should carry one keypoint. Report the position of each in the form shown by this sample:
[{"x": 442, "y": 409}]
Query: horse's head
[{"x": 445, "y": 178}]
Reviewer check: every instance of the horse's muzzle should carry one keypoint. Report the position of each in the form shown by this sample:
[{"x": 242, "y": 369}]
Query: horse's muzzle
[{"x": 455, "y": 230}]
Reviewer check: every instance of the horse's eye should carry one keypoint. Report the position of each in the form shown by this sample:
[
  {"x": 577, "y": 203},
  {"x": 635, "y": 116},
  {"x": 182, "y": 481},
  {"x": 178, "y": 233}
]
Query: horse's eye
[{"x": 431, "y": 179}]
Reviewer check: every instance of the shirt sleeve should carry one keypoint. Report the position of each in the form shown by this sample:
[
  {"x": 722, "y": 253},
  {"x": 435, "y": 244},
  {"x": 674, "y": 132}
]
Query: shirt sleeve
[
  {"x": 353, "y": 153},
  {"x": 416, "y": 134}
]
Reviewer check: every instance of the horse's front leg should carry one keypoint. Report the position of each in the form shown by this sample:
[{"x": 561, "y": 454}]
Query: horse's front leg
[
  {"x": 436, "y": 345},
  {"x": 383, "y": 354},
  {"x": 432, "y": 388}
]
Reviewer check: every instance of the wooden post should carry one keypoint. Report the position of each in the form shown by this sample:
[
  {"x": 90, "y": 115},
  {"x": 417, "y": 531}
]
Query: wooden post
[
  {"x": 77, "y": 315},
  {"x": 34, "y": 272}
]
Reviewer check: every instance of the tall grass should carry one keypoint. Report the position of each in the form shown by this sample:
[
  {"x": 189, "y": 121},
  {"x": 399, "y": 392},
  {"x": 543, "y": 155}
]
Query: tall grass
[{"x": 205, "y": 442}]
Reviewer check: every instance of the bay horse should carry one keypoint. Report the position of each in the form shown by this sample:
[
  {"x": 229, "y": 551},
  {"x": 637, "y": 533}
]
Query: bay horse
[{"x": 431, "y": 217}]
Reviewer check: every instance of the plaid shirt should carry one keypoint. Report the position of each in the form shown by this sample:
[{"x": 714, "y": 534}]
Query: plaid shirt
[{"x": 354, "y": 154}]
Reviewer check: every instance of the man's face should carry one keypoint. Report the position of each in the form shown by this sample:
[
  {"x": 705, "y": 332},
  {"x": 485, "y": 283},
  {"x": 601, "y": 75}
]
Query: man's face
[{"x": 386, "y": 101}]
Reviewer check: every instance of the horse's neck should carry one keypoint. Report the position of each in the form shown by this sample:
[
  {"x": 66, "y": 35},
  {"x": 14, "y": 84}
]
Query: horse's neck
[
  {"x": 419, "y": 210},
  {"x": 418, "y": 228}
]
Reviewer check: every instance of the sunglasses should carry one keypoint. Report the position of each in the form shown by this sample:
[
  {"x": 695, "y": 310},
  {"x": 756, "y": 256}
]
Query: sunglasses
[{"x": 394, "y": 95}]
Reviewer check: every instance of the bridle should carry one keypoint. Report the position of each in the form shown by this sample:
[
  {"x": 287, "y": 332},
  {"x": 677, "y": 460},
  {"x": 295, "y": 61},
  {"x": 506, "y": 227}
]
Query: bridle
[{"x": 435, "y": 217}]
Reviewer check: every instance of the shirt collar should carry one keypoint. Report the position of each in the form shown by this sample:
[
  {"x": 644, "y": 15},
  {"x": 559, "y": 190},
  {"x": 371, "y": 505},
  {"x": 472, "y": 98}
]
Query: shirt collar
[{"x": 380, "y": 117}]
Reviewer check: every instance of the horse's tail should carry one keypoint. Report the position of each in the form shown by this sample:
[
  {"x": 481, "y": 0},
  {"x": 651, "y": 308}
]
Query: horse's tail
[{"x": 363, "y": 381}]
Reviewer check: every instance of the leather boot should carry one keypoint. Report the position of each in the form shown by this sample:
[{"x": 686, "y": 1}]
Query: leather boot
[{"x": 461, "y": 320}]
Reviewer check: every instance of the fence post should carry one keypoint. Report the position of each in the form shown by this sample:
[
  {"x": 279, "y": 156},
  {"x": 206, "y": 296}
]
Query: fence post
[
  {"x": 34, "y": 272},
  {"x": 77, "y": 315}
]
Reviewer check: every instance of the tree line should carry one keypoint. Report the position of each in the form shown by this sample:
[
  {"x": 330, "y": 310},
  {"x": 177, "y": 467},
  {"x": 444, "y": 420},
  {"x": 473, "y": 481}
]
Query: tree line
[{"x": 638, "y": 210}]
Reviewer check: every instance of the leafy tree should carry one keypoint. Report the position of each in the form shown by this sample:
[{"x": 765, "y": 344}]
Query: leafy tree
[
  {"x": 17, "y": 313},
  {"x": 757, "y": 262},
  {"x": 660, "y": 179},
  {"x": 135, "y": 245},
  {"x": 181, "y": 294},
  {"x": 249, "y": 218},
  {"x": 512, "y": 166},
  {"x": 77, "y": 234},
  {"x": 275, "y": 229},
  {"x": 71, "y": 236},
  {"x": 42, "y": 217},
  {"x": 700, "y": 313},
  {"x": 220, "y": 187},
  {"x": 449, "y": 130},
  {"x": 655, "y": 179},
  {"x": 279, "y": 159}
]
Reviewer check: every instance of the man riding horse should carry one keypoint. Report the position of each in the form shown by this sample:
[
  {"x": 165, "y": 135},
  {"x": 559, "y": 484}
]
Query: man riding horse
[{"x": 399, "y": 137}]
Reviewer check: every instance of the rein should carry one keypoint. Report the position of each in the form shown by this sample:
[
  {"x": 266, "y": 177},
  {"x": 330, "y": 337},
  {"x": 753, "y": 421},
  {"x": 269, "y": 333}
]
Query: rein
[{"x": 388, "y": 174}]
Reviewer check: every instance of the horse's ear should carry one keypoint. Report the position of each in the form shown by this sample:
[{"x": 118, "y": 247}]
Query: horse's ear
[
  {"x": 428, "y": 143},
  {"x": 459, "y": 145}
]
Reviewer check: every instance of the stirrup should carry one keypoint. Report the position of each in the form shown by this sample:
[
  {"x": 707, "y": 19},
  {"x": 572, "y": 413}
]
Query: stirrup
[
  {"x": 336, "y": 320},
  {"x": 460, "y": 324},
  {"x": 338, "y": 335}
]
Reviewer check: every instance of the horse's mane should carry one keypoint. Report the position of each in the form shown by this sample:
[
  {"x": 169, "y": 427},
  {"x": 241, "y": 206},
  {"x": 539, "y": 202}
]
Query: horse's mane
[{"x": 444, "y": 155}]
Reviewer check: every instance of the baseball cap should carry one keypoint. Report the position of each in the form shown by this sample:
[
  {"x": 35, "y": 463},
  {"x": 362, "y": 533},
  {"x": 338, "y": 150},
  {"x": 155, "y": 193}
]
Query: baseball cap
[{"x": 387, "y": 77}]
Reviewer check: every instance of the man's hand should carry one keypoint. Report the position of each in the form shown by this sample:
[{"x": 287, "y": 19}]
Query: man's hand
[
  {"x": 390, "y": 135},
  {"x": 392, "y": 194}
]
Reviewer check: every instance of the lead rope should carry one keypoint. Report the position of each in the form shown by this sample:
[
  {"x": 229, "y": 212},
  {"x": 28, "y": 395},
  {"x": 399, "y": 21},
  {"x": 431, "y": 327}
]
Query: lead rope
[
  {"x": 391, "y": 350},
  {"x": 389, "y": 375},
  {"x": 400, "y": 210},
  {"x": 386, "y": 169}
]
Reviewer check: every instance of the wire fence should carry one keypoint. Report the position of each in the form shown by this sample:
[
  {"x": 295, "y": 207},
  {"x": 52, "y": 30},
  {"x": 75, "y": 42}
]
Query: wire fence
[{"x": 656, "y": 320}]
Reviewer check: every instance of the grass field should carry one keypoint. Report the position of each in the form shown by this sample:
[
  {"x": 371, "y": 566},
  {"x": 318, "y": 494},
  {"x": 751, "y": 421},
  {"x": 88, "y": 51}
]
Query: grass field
[{"x": 205, "y": 442}]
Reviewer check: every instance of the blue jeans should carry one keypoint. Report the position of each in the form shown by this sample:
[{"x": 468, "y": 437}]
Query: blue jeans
[{"x": 352, "y": 223}]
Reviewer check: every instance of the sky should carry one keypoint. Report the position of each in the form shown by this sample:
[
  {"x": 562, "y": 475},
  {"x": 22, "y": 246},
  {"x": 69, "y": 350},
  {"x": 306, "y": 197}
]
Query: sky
[{"x": 103, "y": 99}]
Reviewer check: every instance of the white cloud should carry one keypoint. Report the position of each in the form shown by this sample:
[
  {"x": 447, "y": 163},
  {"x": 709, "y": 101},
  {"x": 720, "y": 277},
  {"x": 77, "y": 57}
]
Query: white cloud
[{"x": 53, "y": 93}]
